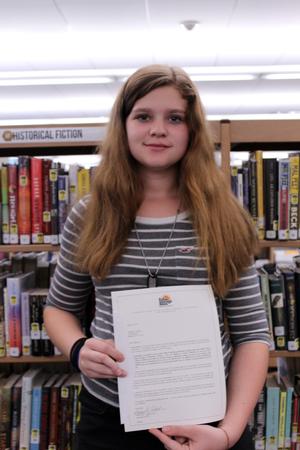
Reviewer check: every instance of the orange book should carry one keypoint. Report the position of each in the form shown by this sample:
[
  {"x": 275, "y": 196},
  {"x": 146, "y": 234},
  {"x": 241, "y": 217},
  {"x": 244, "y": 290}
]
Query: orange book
[{"x": 24, "y": 203}]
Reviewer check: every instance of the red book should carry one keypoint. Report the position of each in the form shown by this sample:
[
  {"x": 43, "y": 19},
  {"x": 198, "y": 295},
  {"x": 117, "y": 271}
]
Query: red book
[
  {"x": 13, "y": 203},
  {"x": 24, "y": 207},
  {"x": 37, "y": 201},
  {"x": 54, "y": 411},
  {"x": 46, "y": 201}
]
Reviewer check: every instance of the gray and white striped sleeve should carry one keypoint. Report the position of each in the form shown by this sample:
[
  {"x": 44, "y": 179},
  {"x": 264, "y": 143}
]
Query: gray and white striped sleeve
[
  {"x": 70, "y": 287},
  {"x": 245, "y": 311}
]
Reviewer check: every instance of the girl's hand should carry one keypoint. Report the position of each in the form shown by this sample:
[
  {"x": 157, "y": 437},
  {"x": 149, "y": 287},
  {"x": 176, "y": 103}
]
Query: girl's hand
[
  {"x": 99, "y": 358},
  {"x": 197, "y": 437}
]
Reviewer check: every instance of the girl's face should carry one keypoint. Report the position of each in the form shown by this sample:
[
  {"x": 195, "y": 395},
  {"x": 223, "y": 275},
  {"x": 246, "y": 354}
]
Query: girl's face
[{"x": 157, "y": 131}]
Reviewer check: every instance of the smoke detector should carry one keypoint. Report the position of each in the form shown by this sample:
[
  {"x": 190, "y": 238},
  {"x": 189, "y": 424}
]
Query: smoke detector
[{"x": 189, "y": 24}]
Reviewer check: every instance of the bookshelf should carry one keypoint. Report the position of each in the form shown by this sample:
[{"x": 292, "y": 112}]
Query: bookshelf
[{"x": 227, "y": 135}]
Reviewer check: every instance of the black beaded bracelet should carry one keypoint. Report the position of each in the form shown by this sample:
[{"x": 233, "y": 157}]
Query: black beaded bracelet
[{"x": 74, "y": 352}]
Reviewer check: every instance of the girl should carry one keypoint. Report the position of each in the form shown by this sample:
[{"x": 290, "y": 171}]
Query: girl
[{"x": 160, "y": 213}]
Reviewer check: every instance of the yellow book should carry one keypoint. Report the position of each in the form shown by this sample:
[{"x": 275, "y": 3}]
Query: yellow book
[
  {"x": 84, "y": 182},
  {"x": 293, "y": 195},
  {"x": 281, "y": 423}
]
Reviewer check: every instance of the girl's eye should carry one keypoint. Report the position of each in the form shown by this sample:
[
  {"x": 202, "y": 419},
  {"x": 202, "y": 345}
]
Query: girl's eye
[
  {"x": 142, "y": 117},
  {"x": 176, "y": 119}
]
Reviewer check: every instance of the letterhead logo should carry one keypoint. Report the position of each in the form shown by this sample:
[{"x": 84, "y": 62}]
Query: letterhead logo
[{"x": 165, "y": 300}]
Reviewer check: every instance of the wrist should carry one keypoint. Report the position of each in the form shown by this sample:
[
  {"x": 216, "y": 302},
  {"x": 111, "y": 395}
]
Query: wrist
[
  {"x": 226, "y": 436},
  {"x": 74, "y": 352}
]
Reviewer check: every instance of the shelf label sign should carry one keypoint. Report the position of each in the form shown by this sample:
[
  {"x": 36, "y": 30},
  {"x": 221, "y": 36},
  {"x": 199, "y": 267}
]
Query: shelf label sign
[{"x": 51, "y": 134}]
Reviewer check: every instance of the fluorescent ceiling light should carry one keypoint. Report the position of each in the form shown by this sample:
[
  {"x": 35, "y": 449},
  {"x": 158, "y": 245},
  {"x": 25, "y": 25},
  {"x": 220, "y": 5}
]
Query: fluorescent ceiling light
[
  {"x": 54, "y": 81},
  {"x": 282, "y": 76},
  {"x": 224, "y": 77}
]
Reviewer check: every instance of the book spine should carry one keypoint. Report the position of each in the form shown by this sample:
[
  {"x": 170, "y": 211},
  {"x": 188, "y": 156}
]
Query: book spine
[
  {"x": 6, "y": 325},
  {"x": 293, "y": 195},
  {"x": 270, "y": 167},
  {"x": 44, "y": 418},
  {"x": 5, "y": 407},
  {"x": 35, "y": 329},
  {"x": 25, "y": 324},
  {"x": 253, "y": 188},
  {"x": 15, "y": 417},
  {"x": 46, "y": 201},
  {"x": 295, "y": 417},
  {"x": 291, "y": 310},
  {"x": 265, "y": 293},
  {"x": 24, "y": 203},
  {"x": 53, "y": 418},
  {"x": 35, "y": 418},
  {"x": 14, "y": 316},
  {"x": 282, "y": 414},
  {"x": 13, "y": 203},
  {"x": 272, "y": 415},
  {"x": 53, "y": 175},
  {"x": 63, "y": 202},
  {"x": 234, "y": 179},
  {"x": 36, "y": 201},
  {"x": 259, "y": 422},
  {"x": 25, "y": 412},
  {"x": 288, "y": 420},
  {"x": 47, "y": 348},
  {"x": 283, "y": 199},
  {"x": 4, "y": 204},
  {"x": 260, "y": 195},
  {"x": 246, "y": 186},
  {"x": 83, "y": 182},
  {"x": 2, "y": 324},
  {"x": 278, "y": 312},
  {"x": 73, "y": 184}
]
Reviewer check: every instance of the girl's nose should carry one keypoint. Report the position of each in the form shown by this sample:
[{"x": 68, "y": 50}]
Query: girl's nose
[{"x": 158, "y": 128}]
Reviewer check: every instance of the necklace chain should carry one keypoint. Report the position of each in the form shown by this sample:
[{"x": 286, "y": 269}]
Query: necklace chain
[{"x": 151, "y": 274}]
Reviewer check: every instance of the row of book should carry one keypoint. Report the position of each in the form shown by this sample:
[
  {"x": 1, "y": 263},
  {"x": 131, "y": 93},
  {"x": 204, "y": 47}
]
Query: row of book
[
  {"x": 39, "y": 410},
  {"x": 269, "y": 189},
  {"x": 280, "y": 289},
  {"x": 22, "y": 330},
  {"x": 36, "y": 195},
  {"x": 275, "y": 421}
]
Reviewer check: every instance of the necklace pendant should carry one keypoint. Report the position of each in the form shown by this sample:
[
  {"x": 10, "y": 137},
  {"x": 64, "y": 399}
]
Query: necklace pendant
[{"x": 152, "y": 281}]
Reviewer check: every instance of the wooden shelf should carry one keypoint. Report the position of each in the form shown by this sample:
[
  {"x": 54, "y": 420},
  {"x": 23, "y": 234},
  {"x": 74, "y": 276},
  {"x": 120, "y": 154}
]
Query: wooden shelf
[
  {"x": 33, "y": 359},
  {"x": 284, "y": 354},
  {"x": 276, "y": 243},
  {"x": 29, "y": 248}
]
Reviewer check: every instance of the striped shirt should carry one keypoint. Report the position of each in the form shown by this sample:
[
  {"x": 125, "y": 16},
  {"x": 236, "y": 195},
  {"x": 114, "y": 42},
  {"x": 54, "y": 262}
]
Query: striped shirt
[{"x": 70, "y": 288}]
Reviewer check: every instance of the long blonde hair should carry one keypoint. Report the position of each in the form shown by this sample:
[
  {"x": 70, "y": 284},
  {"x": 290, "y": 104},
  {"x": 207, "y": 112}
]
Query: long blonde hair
[{"x": 225, "y": 233}]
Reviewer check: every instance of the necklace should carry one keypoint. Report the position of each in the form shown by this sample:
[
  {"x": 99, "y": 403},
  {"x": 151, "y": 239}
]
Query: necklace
[{"x": 152, "y": 277}]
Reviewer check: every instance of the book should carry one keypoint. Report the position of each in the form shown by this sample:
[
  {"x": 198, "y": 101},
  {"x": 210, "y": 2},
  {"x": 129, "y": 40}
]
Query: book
[
  {"x": 289, "y": 387},
  {"x": 272, "y": 412},
  {"x": 288, "y": 277},
  {"x": 45, "y": 407},
  {"x": 278, "y": 309},
  {"x": 266, "y": 297},
  {"x": 53, "y": 176},
  {"x": 282, "y": 417},
  {"x": 270, "y": 175},
  {"x": 13, "y": 203},
  {"x": 3, "y": 313},
  {"x": 54, "y": 412},
  {"x": 24, "y": 203},
  {"x": 4, "y": 204},
  {"x": 259, "y": 422},
  {"x": 294, "y": 167},
  {"x": 25, "y": 422},
  {"x": 6, "y": 408},
  {"x": 16, "y": 396},
  {"x": 37, "y": 236},
  {"x": 36, "y": 410},
  {"x": 46, "y": 201},
  {"x": 63, "y": 202},
  {"x": 283, "y": 199},
  {"x": 15, "y": 285}
]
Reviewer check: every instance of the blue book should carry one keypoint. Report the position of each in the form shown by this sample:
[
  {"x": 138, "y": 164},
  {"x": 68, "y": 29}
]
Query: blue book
[
  {"x": 272, "y": 412},
  {"x": 36, "y": 411}
]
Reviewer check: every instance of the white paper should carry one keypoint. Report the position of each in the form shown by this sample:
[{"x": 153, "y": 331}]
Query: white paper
[{"x": 170, "y": 337}]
